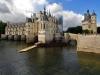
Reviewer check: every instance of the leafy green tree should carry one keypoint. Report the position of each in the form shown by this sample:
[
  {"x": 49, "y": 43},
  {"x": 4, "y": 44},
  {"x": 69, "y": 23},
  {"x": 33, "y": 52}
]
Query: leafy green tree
[
  {"x": 98, "y": 30},
  {"x": 75, "y": 30},
  {"x": 78, "y": 29},
  {"x": 91, "y": 31},
  {"x": 85, "y": 31},
  {"x": 71, "y": 29},
  {"x": 2, "y": 27}
]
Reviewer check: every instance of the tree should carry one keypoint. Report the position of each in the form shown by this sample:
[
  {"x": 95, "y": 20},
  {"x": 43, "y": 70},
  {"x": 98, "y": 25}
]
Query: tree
[
  {"x": 71, "y": 29},
  {"x": 98, "y": 30},
  {"x": 78, "y": 29},
  {"x": 75, "y": 30},
  {"x": 85, "y": 31},
  {"x": 2, "y": 27},
  {"x": 91, "y": 31}
]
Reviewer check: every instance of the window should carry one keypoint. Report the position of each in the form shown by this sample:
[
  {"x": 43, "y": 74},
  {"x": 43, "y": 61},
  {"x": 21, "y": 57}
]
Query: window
[
  {"x": 47, "y": 26},
  {"x": 89, "y": 26},
  {"x": 44, "y": 26}
]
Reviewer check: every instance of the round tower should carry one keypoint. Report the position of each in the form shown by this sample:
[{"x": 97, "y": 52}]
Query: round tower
[
  {"x": 93, "y": 16},
  {"x": 94, "y": 22}
]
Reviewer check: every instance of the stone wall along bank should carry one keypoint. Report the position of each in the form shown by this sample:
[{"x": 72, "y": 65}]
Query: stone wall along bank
[{"x": 88, "y": 43}]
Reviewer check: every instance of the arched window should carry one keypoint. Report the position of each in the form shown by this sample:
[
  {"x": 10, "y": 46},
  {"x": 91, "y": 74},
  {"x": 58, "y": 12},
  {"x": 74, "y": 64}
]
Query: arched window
[{"x": 44, "y": 26}]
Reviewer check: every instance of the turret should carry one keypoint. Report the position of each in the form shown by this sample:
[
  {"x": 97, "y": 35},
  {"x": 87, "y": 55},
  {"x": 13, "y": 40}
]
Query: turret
[
  {"x": 93, "y": 13},
  {"x": 49, "y": 13},
  {"x": 93, "y": 16},
  {"x": 87, "y": 16},
  {"x": 44, "y": 11},
  {"x": 94, "y": 22}
]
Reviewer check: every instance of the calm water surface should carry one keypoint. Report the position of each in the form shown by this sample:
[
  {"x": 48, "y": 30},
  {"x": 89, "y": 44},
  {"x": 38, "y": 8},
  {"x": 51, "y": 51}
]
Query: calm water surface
[{"x": 46, "y": 60}]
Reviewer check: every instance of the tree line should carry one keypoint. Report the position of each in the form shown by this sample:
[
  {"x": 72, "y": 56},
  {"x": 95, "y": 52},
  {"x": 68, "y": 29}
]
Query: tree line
[
  {"x": 2, "y": 27},
  {"x": 78, "y": 29},
  {"x": 74, "y": 30}
]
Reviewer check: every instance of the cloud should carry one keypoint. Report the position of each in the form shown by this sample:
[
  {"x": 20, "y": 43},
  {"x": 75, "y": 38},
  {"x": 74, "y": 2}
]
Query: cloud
[
  {"x": 17, "y": 10},
  {"x": 3, "y": 8},
  {"x": 40, "y": 2},
  {"x": 9, "y": 1},
  {"x": 21, "y": 8},
  {"x": 70, "y": 19},
  {"x": 54, "y": 7},
  {"x": 98, "y": 24}
]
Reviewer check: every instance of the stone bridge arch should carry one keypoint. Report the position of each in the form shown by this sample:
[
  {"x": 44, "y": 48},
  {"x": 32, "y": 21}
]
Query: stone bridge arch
[
  {"x": 73, "y": 36},
  {"x": 70, "y": 36}
]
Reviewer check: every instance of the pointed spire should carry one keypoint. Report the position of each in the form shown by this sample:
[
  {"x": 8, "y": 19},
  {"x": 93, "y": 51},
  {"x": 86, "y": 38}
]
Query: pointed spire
[
  {"x": 87, "y": 11},
  {"x": 44, "y": 11},
  {"x": 49, "y": 13},
  {"x": 93, "y": 13}
]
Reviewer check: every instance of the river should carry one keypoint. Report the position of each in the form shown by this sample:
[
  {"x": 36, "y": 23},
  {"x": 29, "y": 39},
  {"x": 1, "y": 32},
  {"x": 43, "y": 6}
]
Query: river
[{"x": 46, "y": 60}]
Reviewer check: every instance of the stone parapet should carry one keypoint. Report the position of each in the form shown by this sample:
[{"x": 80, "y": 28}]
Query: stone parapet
[
  {"x": 89, "y": 43},
  {"x": 4, "y": 37}
]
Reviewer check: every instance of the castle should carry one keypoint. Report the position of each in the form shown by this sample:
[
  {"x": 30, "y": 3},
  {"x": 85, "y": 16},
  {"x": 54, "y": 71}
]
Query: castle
[
  {"x": 89, "y": 22},
  {"x": 42, "y": 26}
]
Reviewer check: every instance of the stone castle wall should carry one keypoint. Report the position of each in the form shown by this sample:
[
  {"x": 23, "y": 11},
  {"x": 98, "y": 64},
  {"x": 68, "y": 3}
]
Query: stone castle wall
[
  {"x": 88, "y": 43},
  {"x": 4, "y": 37},
  {"x": 66, "y": 37},
  {"x": 31, "y": 39}
]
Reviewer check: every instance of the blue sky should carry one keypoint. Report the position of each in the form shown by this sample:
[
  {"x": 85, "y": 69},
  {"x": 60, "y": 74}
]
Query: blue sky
[
  {"x": 72, "y": 10},
  {"x": 81, "y": 6}
]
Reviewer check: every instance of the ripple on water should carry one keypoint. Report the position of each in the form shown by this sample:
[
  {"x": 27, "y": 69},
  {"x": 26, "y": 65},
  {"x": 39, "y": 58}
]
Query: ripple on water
[{"x": 46, "y": 60}]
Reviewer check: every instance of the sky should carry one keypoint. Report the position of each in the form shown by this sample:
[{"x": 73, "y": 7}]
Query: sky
[{"x": 72, "y": 10}]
